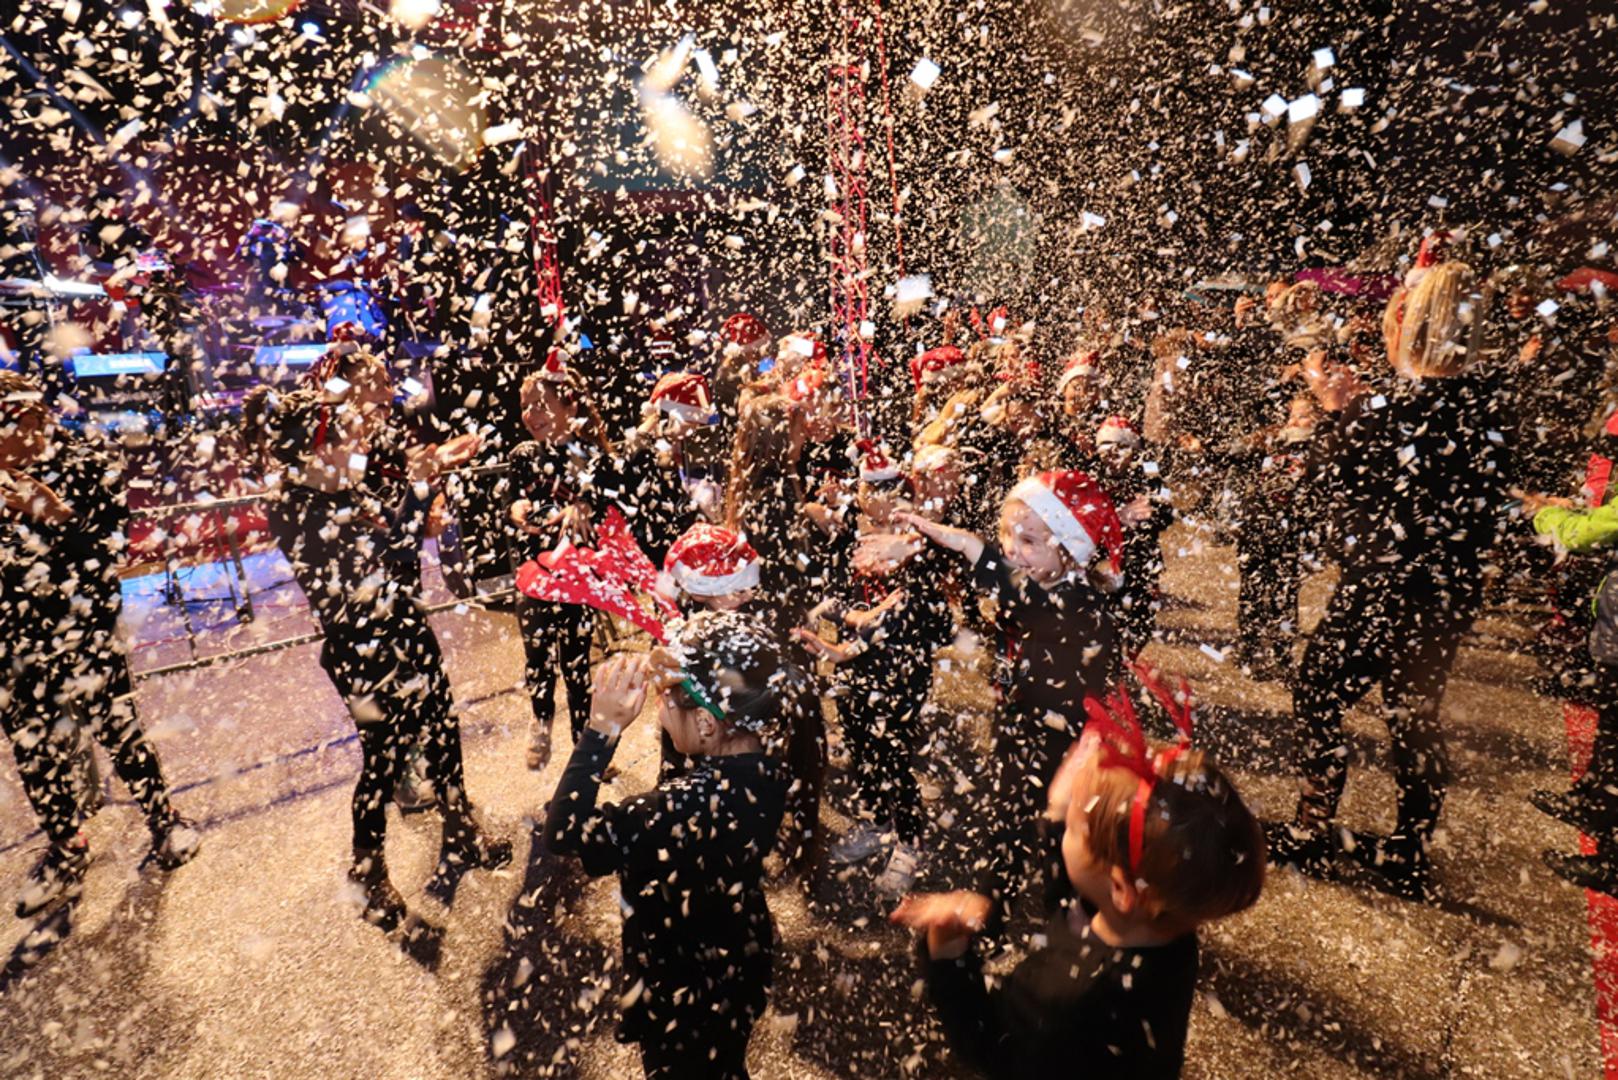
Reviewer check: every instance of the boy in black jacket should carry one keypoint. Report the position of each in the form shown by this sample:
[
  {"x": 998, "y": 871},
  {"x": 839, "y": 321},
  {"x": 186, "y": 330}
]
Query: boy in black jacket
[{"x": 1154, "y": 845}]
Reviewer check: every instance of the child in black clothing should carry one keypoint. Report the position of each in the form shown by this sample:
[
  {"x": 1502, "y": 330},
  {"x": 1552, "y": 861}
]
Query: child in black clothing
[
  {"x": 62, "y": 665},
  {"x": 1154, "y": 849},
  {"x": 552, "y": 487},
  {"x": 1057, "y": 641},
  {"x": 1136, "y": 489},
  {"x": 897, "y": 619},
  {"x": 698, "y": 942},
  {"x": 378, "y": 650}
]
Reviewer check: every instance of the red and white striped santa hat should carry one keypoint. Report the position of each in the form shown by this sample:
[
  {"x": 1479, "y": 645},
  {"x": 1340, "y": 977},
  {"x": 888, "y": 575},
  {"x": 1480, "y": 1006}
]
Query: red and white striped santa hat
[
  {"x": 928, "y": 365},
  {"x": 710, "y": 560},
  {"x": 1077, "y": 512},
  {"x": 684, "y": 395},
  {"x": 743, "y": 329}
]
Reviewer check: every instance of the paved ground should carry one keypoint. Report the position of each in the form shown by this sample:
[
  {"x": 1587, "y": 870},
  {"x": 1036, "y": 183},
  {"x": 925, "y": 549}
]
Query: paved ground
[{"x": 250, "y": 961}]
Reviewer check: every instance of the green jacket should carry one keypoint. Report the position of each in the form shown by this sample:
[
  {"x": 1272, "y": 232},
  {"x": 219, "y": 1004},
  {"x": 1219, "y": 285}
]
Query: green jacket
[
  {"x": 1579, "y": 529},
  {"x": 1583, "y": 530}
]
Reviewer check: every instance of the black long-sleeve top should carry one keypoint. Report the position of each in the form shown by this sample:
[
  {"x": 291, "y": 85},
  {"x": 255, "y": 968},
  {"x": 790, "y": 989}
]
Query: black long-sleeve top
[
  {"x": 553, "y": 477},
  {"x": 59, "y": 583},
  {"x": 1415, "y": 472},
  {"x": 915, "y": 629},
  {"x": 339, "y": 544},
  {"x": 653, "y": 498},
  {"x": 1077, "y": 1007},
  {"x": 689, "y": 856},
  {"x": 1057, "y": 646}
]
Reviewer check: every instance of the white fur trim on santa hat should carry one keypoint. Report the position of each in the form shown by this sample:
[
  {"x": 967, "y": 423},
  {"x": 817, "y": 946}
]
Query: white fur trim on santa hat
[
  {"x": 689, "y": 413},
  {"x": 1057, "y": 518},
  {"x": 1116, "y": 432},
  {"x": 715, "y": 584}
]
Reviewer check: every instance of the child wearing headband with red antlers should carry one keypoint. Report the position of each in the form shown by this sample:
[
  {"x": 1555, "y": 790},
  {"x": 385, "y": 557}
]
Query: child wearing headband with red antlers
[{"x": 1157, "y": 842}]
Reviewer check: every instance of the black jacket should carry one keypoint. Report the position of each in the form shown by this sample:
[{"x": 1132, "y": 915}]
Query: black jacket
[{"x": 689, "y": 856}]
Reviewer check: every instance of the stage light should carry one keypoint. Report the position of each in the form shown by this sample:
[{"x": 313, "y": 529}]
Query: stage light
[
  {"x": 413, "y": 14},
  {"x": 310, "y": 30},
  {"x": 129, "y": 17}
]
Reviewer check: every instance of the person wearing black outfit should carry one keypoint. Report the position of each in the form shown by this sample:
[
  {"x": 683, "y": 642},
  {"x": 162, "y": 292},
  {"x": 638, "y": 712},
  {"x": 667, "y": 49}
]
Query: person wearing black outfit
[
  {"x": 1056, "y": 645},
  {"x": 61, "y": 535},
  {"x": 698, "y": 941},
  {"x": 895, "y": 617},
  {"x": 555, "y": 481},
  {"x": 1411, "y": 480},
  {"x": 378, "y": 648}
]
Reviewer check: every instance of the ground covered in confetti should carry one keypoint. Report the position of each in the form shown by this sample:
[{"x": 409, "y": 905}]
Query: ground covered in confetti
[{"x": 251, "y": 961}]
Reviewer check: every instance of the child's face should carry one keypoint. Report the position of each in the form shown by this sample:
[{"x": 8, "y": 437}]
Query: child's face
[
  {"x": 1030, "y": 545},
  {"x": 1088, "y": 874},
  {"x": 1080, "y": 395},
  {"x": 547, "y": 415},
  {"x": 1115, "y": 454}
]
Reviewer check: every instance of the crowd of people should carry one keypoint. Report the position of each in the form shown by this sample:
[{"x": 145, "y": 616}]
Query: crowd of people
[{"x": 1416, "y": 432}]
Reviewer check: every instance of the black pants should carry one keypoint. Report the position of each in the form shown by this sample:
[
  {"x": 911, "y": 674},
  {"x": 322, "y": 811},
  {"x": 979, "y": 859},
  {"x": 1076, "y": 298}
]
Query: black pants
[
  {"x": 1399, "y": 628},
  {"x": 1027, "y": 753},
  {"x": 1267, "y": 559},
  {"x": 49, "y": 703},
  {"x": 556, "y": 640},
  {"x": 1600, "y": 777},
  {"x": 391, "y": 675},
  {"x": 881, "y": 715},
  {"x": 715, "y": 1052}
]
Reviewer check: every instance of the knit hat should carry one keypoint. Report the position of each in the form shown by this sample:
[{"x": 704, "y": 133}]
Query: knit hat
[
  {"x": 1076, "y": 511},
  {"x": 684, "y": 395},
  {"x": 1117, "y": 431},
  {"x": 743, "y": 329},
  {"x": 1079, "y": 367},
  {"x": 875, "y": 465},
  {"x": 933, "y": 362},
  {"x": 709, "y": 560}
]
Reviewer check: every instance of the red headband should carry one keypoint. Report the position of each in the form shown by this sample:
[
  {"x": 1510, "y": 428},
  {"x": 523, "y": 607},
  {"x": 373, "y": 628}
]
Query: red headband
[{"x": 1123, "y": 745}]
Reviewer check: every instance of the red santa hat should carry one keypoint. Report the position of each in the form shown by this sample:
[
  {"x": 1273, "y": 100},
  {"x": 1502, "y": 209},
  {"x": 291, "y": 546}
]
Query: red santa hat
[
  {"x": 931, "y": 363},
  {"x": 875, "y": 465},
  {"x": 684, "y": 395},
  {"x": 1077, "y": 512},
  {"x": 743, "y": 329},
  {"x": 555, "y": 369},
  {"x": 1117, "y": 431},
  {"x": 1081, "y": 366},
  {"x": 710, "y": 560}
]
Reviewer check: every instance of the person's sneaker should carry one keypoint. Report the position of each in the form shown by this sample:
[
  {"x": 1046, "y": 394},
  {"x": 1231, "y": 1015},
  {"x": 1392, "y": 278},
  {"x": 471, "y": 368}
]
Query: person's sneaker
[
  {"x": 59, "y": 875},
  {"x": 858, "y": 844},
  {"x": 1579, "y": 808},
  {"x": 900, "y": 874},
  {"x": 1586, "y": 871},
  {"x": 174, "y": 843},
  {"x": 1307, "y": 850},
  {"x": 539, "y": 750},
  {"x": 414, "y": 792},
  {"x": 382, "y": 905},
  {"x": 1401, "y": 862},
  {"x": 464, "y": 846}
]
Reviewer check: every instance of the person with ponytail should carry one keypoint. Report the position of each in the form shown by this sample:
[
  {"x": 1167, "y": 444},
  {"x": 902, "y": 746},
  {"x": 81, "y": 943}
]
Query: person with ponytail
[
  {"x": 698, "y": 941},
  {"x": 335, "y": 529},
  {"x": 1410, "y": 479}
]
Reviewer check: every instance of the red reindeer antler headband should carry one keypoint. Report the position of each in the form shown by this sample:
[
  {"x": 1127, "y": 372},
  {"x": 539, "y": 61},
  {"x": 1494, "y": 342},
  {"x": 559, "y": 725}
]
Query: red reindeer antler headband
[{"x": 1123, "y": 744}]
